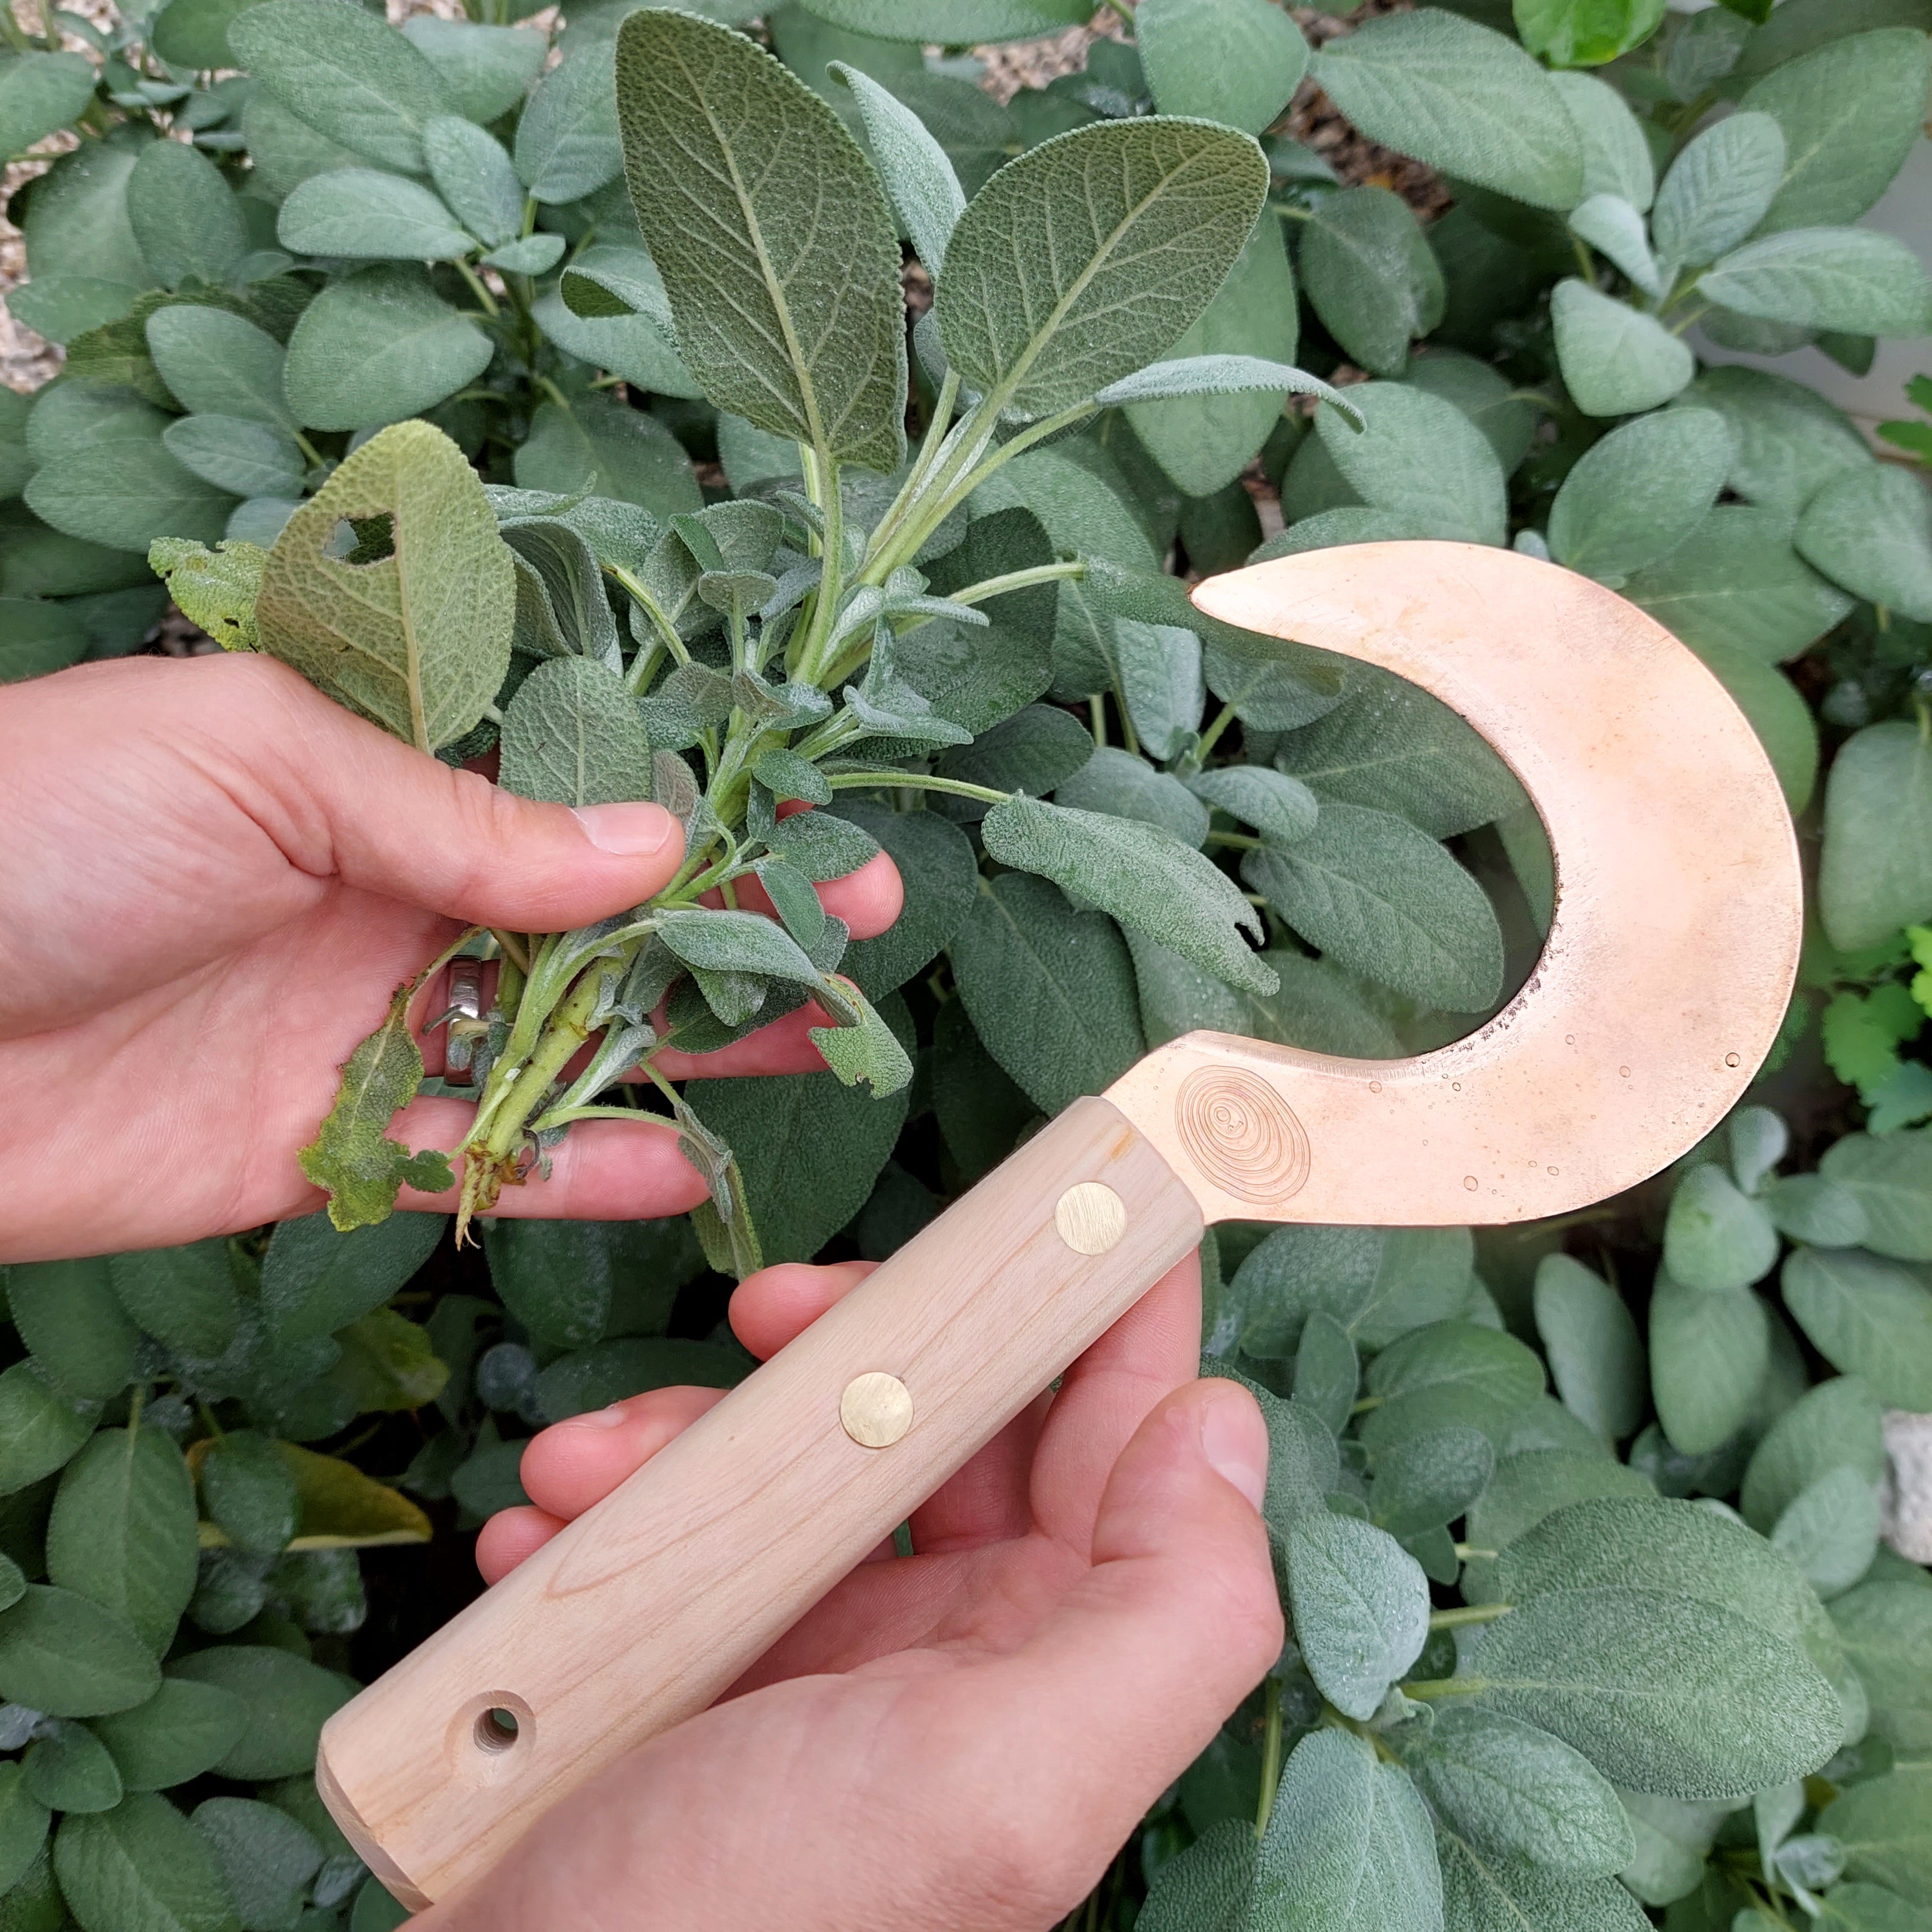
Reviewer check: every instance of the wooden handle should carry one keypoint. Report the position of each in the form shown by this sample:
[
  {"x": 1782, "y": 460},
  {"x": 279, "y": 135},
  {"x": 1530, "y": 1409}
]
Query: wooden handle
[{"x": 648, "y": 1606}]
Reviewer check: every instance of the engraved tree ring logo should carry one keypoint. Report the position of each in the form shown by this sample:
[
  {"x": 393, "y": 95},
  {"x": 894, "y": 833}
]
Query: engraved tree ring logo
[{"x": 1242, "y": 1135}]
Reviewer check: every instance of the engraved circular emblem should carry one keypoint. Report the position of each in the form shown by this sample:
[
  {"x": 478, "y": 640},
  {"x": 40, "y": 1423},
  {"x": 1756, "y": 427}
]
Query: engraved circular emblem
[
  {"x": 1242, "y": 1136},
  {"x": 876, "y": 1409}
]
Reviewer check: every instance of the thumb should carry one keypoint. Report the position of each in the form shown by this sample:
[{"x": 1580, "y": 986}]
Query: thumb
[
  {"x": 1178, "y": 1619},
  {"x": 340, "y": 796}
]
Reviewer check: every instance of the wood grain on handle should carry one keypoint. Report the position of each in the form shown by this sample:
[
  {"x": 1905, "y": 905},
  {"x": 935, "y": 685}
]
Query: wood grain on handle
[{"x": 648, "y": 1606}]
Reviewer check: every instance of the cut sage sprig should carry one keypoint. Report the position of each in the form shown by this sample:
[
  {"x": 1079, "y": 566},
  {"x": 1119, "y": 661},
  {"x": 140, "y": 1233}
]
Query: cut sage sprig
[{"x": 776, "y": 647}]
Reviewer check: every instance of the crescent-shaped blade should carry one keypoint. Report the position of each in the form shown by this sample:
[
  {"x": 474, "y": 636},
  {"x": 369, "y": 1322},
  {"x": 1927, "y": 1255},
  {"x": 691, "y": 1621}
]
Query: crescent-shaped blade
[{"x": 1669, "y": 961}]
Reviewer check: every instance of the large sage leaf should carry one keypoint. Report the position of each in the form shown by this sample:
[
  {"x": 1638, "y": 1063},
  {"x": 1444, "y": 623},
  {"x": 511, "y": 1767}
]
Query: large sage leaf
[
  {"x": 68, "y": 1656},
  {"x": 1386, "y": 901},
  {"x": 1851, "y": 279},
  {"x": 1371, "y": 275},
  {"x": 1660, "y": 1693},
  {"x": 1890, "y": 1177},
  {"x": 1868, "y": 1317},
  {"x": 1850, "y": 112},
  {"x": 925, "y": 192},
  {"x": 1483, "y": 1893},
  {"x": 777, "y": 250},
  {"x": 572, "y": 735},
  {"x": 1347, "y": 1845},
  {"x": 1885, "y": 1825},
  {"x": 349, "y": 76},
  {"x": 1145, "y": 877},
  {"x": 1736, "y": 581},
  {"x": 1462, "y": 98},
  {"x": 1236, "y": 61},
  {"x": 1392, "y": 747},
  {"x": 1837, "y": 1424},
  {"x": 1205, "y": 440},
  {"x": 184, "y": 216},
  {"x": 363, "y": 213},
  {"x": 124, "y": 495},
  {"x": 143, "y": 1864},
  {"x": 1616, "y": 360},
  {"x": 1870, "y": 530},
  {"x": 377, "y": 347},
  {"x": 487, "y": 69},
  {"x": 1050, "y": 991},
  {"x": 1718, "y": 189},
  {"x": 1091, "y": 254},
  {"x": 1516, "y": 1793},
  {"x": 40, "y": 92},
  {"x": 217, "y": 363},
  {"x": 418, "y": 638},
  {"x": 567, "y": 144},
  {"x": 810, "y": 1149},
  {"x": 1707, "y": 1356},
  {"x": 1596, "y": 1355},
  {"x": 1617, "y": 158},
  {"x": 1421, "y": 458},
  {"x": 122, "y": 1530},
  {"x": 1634, "y": 496},
  {"x": 1876, "y": 875},
  {"x": 1360, "y": 1604}
]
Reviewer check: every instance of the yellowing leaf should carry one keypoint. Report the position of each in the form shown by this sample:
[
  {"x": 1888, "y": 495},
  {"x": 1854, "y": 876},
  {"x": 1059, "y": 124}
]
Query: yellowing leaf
[
  {"x": 351, "y": 1155},
  {"x": 216, "y": 588},
  {"x": 343, "y": 1509}
]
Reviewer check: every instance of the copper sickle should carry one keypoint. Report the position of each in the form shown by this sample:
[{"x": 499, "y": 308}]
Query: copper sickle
[{"x": 1666, "y": 972}]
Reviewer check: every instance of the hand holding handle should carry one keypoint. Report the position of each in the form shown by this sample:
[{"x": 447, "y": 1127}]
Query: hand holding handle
[{"x": 650, "y": 1605}]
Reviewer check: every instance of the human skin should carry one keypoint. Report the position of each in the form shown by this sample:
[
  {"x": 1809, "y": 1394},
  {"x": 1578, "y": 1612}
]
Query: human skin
[
  {"x": 959, "y": 1740},
  {"x": 213, "y": 880}
]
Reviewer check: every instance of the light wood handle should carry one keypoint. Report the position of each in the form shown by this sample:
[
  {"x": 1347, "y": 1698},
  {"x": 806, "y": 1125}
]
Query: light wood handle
[{"x": 648, "y": 1606}]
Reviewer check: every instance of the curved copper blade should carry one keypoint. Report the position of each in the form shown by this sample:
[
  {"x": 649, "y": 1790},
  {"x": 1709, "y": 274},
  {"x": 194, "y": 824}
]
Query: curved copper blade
[{"x": 1668, "y": 964}]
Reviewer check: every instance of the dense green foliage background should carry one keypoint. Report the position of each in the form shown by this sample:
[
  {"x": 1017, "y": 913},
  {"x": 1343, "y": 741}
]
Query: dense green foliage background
[{"x": 1577, "y": 1524}]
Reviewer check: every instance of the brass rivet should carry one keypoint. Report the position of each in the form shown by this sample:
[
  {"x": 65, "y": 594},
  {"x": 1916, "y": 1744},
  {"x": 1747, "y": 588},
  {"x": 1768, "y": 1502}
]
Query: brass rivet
[
  {"x": 1091, "y": 1217},
  {"x": 876, "y": 1409}
]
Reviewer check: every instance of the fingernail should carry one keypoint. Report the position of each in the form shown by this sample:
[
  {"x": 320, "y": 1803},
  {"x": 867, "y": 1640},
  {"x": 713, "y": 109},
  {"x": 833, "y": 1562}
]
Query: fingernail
[
  {"x": 601, "y": 1418},
  {"x": 626, "y": 831},
  {"x": 1234, "y": 1438}
]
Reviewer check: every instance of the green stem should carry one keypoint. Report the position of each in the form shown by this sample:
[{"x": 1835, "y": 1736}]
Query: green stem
[
  {"x": 1096, "y": 712},
  {"x": 913, "y": 781},
  {"x": 1469, "y": 1613},
  {"x": 478, "y": 290},
  {"x": 1236, "y": 841},
  {"x": 929, "y": 447},
  {"x": 1210, "y": 737},
  {"x": 1464, "y": 1551},
  {"x": 1271, "y": 1757},
  {"x": 666, "y": 630},
  {"x": 962, "y": 472},
  {"x": 1020, "y": 579},
  {"x": 1428, "y": 1688}
]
